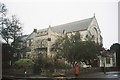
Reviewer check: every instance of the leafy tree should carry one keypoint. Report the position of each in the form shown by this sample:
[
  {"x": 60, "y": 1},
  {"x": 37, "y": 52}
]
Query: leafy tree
[
  {"x": 15, "y": 29},
  {"x": 90, "y": 52},
  {"x": 3, "y": 9},
  {"x": 73, "y": 49},
  {"x": 10, "y": 30},
  {"x": 3, "y": 21},
  {"x": 16, "y": 34},
  {"x": 116, "y": 48},
  {"x": 5, "y": 32}
]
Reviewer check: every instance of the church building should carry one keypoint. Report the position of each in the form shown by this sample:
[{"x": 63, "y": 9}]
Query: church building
[{"x": 40, "y": 41}]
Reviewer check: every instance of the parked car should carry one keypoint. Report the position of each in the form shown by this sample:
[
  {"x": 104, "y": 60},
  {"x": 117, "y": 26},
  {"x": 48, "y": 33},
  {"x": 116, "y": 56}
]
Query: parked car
[{"x": 84, "y": 65}]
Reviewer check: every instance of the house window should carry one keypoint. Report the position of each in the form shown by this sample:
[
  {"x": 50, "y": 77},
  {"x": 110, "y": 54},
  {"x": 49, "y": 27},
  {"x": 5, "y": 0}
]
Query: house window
[
  {"x": 49, "y": 39},
  {"x": 30, "y": 42},
  {"x": 107, "y": 60},
  {"x": 27, "y": 43}
]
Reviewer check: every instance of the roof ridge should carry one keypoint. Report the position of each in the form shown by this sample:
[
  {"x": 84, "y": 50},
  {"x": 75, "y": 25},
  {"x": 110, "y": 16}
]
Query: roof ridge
[
  {"x": 73, "y": 22},
  {"x": 80, "y": 24}
]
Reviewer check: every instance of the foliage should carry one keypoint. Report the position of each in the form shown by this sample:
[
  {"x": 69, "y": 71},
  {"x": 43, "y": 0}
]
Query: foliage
[
  {"x": 24, "y": 63},
  {"x": 116, "y": 48},
  {"x": 3, "y": 9},
  {"x": 10, "y": 30},
  {"x": 60, "y": 65},
  {"x": 73, "y": 49},
  {"x": 42, "y": 63},
  {"x": 47, "y": 64},
  {"x": 3, "y": 20}
]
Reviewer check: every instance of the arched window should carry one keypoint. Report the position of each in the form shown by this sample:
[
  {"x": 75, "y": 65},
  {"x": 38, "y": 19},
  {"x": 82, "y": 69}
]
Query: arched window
[
  {"x": 43, "y": 43},
  {"x": 96, "y": 31},
  {"x": 95, "y": 34}
]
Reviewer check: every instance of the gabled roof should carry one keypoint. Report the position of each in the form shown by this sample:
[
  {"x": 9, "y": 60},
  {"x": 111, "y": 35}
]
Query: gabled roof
[
  {"x": 68, "y": 27},
  {"x": 22, "y": 38},
  {"x": 31, "y": 36},
  {"x": 42, "y": 30},
  {"x": 73, "y": 26}
]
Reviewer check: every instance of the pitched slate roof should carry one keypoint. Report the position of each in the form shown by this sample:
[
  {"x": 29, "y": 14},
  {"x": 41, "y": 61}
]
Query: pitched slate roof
[
  {"x": 73, "y": 26},
  {"x": 24, "y": 37},
  {"x": 42, "y": 30},
  {"x": 68, "y": 27},
  {"x": 31, "y": 36}
]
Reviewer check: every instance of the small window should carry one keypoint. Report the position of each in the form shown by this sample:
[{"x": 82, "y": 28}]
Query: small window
[
  {"x": 107, "y": 60},
  {"x": 29, "y": 42},
  {"x": 87, "y": 36},
  {"x": 49, "y": 39}
]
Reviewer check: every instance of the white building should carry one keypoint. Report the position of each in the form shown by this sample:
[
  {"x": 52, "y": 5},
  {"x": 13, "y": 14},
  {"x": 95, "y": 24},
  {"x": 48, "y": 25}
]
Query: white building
[{"x": 108, "y": 60}]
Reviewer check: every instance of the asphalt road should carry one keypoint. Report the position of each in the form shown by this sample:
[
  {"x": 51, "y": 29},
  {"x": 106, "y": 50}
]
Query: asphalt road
[
  {"x": 87, "y": 76},
  {"x": 101, "y": 75}
]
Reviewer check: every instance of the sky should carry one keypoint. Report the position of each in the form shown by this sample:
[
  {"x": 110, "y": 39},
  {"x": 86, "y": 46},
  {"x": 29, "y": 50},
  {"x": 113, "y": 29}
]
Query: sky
[{"x": 39, "y": 14}]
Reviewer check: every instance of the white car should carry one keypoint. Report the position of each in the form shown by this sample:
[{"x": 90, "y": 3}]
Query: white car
[{"x": 84, "y": 65}]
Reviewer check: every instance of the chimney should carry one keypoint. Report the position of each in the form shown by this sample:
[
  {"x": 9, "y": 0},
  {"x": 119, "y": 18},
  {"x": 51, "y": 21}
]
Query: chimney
[{"x": 35, "y": 30}]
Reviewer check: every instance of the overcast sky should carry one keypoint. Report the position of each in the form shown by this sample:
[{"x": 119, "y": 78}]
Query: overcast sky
[{"x": 40, "y": 14}]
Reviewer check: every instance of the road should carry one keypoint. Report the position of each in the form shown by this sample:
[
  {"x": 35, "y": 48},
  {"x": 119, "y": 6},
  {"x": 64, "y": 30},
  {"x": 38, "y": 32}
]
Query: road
[
  {"x": 101, "y": 75},
  {"x": 86, "y": 76}
]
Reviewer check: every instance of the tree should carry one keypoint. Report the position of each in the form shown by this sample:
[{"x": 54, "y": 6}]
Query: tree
[
  {"x": 3, "y": 11},
  {"x": 16, "y": 29},
  {"x": 9, "y": 28},
  {"x": 16, "y": 34},
  {"x": 90, "y": 52},
  {"x": 74, "y": 49},
  {"x": 10, "y": 31},
  {"x": 116, "y": 48},
  {"x": 71, "y": 48},
  {"x": 3, "y": 20}
]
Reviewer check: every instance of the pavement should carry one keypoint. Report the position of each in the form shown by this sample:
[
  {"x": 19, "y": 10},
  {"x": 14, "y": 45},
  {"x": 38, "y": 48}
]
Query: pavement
[
  {"x": 101, "y": 75},
  {"x": 86, "y": 76}
]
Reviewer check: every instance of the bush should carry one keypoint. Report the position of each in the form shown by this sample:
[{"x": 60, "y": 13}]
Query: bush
[
  {"x": 59, "y": 65},
  {"x": 24, "y": 63}
]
